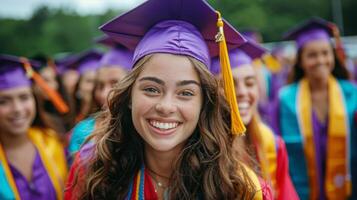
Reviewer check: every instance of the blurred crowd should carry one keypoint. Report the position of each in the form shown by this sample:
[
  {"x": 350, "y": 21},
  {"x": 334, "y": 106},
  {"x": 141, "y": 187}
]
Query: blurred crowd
[{"x": 296, "y": 114}]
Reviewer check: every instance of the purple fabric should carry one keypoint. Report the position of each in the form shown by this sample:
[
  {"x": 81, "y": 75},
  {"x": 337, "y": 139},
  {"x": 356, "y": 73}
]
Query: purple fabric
[
  {"x": 311, "y": 35},
  {"x": 106, "y": 41},
  {"x": 12, "y": 72},
  {"x": 12, "y": 76},
  {"x": 320, "y": 140},
  {"x": 237, "y": 58},
  {"x": 85, "y": 61},
  {"x": 175, "y": 37},
  {"x": 129, "y": 28},
  {"x": 88, "y": 65},
  {"x": 310, "y": 30},
  {"x": 117, "y": 57},
  {"x": 252, "y": 35},
  {"x": 40, "y": 187},
  {"x": 242, "y": 55}
]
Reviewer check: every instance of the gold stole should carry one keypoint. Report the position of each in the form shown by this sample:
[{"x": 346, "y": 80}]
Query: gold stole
[
  {"x": 337, "y": 181},
  {"x": 259, "y": 194},
  {"x": 268, "y": 146},
  {"x": 52, "y": 156}
]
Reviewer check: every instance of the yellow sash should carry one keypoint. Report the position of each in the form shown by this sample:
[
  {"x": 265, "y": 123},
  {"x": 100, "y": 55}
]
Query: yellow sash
[
  {"x": 269, "y": 149},
  {"x": 259, "y": 193},
  {"x": 337, "y": 182},
  {"x": 52, "y": 155}
]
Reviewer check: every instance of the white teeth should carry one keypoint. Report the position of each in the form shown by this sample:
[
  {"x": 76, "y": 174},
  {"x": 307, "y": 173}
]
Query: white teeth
[
  {"x": 163, "y": 125},
  {"x": 243, "y": 105}
]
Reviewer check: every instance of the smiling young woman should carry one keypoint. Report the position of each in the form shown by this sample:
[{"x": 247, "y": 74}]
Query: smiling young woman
[
  {"x": 27, "y": 152},
  {"x": 167, "y": 131},
  {"x": 315, "y": 116}
]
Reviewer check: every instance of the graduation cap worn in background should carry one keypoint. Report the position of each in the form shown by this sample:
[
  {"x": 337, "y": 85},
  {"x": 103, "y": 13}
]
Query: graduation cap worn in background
[
  {"x": 315, "y": 29},
  {"x": 117, "y": 55},
  {"x": 18, "y": 72},
  {"x": 245, "y": 54}
]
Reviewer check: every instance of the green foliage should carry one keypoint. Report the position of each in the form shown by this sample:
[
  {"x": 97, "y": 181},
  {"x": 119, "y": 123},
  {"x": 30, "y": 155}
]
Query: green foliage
[
  {"x": 50, "y": 31},
  {"x": 53, "y": 31},
  {"x": 274, "y": 17}
]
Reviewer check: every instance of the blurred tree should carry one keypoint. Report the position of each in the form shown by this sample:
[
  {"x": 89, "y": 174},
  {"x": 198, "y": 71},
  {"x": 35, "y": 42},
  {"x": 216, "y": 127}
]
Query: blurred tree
[{"x": 52, "y": 31}]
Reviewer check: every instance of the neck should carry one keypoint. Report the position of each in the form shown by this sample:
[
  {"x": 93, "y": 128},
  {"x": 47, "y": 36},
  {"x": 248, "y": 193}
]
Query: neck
[
  {"x": 318, "y": 85},
  {"x": 10, "y": 141},
  {"x": 160, "y": 163}
]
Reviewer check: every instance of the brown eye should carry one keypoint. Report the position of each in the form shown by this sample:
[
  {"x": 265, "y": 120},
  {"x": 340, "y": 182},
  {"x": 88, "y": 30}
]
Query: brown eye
[{"x": 151, "y": 90}]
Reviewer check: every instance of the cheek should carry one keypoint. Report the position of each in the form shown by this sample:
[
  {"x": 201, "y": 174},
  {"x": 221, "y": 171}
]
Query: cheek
[
  {"x": 30, "y": 106},
  {"x": 4, "y": 111},
  {"x": 191, "y": 110}
]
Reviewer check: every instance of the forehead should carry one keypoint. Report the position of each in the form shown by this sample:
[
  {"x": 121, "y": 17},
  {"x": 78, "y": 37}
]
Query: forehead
[
  {"x": 317, "y": 45},
  {"x": 244, "y": 71},
  {"x": 170, "y": 68},
  {"x": 16, "y": 91}
]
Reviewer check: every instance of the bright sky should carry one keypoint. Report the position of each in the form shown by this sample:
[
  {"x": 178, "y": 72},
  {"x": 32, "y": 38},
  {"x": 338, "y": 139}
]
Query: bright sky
[{"x": 25, "y": 8}]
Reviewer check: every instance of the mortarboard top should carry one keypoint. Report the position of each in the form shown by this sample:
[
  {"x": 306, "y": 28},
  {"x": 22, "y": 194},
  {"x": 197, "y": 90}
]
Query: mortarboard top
[
  {"x": 13, "y": 73},
  {"x": 85, "y": 61},
  {"x": 116, "y": 56},
  {"x": 183, "y": 27},
  {"x": 310, "y": 30}
]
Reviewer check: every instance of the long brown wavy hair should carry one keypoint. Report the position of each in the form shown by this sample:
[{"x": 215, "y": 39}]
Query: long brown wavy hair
[
  {"x": 297, "y": 73},
  {"x": 207, "y": 167}
]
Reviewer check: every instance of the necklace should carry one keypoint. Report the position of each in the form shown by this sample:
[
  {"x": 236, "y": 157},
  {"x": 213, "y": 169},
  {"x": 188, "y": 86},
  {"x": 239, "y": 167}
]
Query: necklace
[{"x": 158, "y": 183}]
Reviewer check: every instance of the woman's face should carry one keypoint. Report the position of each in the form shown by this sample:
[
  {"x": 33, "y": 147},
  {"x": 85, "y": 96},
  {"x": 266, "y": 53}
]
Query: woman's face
[
  {"x": 247, "y": 91},
  {"x": 17, "y": 110},
  {"x": 107, "y": 77},
  {"x": 317, "y": 60},
  {"x": 69, "y": 80},
  {"x": 166, "y": 102},
  {"x": 86, "y": 85}
]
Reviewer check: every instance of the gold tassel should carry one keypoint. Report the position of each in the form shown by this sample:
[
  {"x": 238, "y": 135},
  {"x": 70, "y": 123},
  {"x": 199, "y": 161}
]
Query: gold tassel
[
  {"x": 228, "y": 84},
  {"x": 55, "y": 98},
  {"x": 271, "y": 63}
]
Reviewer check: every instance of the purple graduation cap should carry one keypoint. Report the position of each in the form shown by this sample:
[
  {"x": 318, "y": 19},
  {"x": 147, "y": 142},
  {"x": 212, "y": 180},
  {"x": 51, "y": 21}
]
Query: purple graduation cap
[
  {"x": 310, "y": 30},
  {"x": 85, "y": 61},
  {"x": 252, "y": 35},
  {"x": 117, "y": 55},
  {"x": 182, "y": 27},
  {"x": 12, "y": 72},
  {"x": 245, "y": 54}
]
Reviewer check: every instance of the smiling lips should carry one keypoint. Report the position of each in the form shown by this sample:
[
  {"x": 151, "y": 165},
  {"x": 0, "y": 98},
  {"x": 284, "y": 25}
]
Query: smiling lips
[{"x": 163, "y": 126}]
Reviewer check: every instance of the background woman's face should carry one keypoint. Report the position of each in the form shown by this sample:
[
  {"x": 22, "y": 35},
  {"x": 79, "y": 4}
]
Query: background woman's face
[
  {"x": 86, "y": 85},
  {"x": 106, "y": 78},
  {"x": 247, "y": 91},
  {"x": 166, "y": 102},
  {"x": 17, "y": 110},
  {"x": 317, "y": 59}
]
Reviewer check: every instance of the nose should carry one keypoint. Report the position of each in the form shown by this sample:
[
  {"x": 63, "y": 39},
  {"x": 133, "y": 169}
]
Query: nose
[
  {"x": 166, "y": 106},
  {"x": 17, "y": 106}
]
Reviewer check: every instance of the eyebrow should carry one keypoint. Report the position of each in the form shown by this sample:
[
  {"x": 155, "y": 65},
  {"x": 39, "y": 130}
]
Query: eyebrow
[
  {"x": 187, "y": 82},
  {"x": 154, "y": 79},
  {"x": 161, "y": 82}
]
